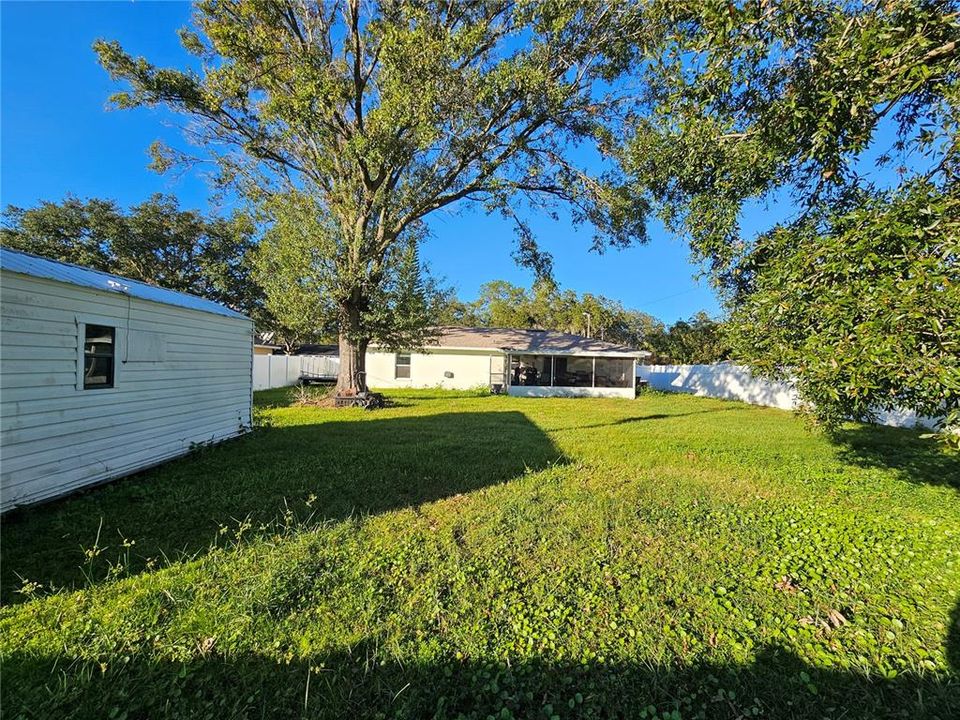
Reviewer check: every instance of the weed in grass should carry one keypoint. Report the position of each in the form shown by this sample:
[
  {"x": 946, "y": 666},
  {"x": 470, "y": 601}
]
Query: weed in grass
[{"x": 312, "y": 396}]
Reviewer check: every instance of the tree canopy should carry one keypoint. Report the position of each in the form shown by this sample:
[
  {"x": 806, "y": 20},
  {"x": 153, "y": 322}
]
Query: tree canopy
[
  {"x": 294, "y": 265},
  {"x": 848, "y": 112},
  {"x": 698, "y": 340},
  {"x": 155, "y": 242},
  {"x": 377, "y": 114}
]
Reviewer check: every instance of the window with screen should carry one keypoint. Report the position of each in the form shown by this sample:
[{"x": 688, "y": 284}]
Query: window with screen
[
  {"x": 573, "y": 372},
  {"x": 614, "y": 372},
  {"x": 402, "y": 367},
  {"x": 98, "y": 356},
  {"x": 531, "y": 370}
]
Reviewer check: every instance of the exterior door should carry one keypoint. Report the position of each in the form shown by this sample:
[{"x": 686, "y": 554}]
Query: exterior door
[{"x": 498, "y": 373}]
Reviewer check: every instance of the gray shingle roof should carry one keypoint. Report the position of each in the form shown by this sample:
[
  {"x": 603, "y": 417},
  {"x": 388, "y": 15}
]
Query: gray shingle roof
[
  {"x": 528, "y": 341},
  {"x": 36, "y": 266}
]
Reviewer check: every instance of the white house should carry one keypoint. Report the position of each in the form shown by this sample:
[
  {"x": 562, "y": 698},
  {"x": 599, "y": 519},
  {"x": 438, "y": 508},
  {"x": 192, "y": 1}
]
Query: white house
[
  {"x": 533, "y": 363},
  {"x": 101, "y": 376}
]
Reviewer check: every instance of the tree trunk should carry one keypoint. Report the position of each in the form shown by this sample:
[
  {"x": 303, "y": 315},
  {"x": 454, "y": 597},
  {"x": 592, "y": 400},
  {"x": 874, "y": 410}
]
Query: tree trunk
[{"x": 351, "y": 377}]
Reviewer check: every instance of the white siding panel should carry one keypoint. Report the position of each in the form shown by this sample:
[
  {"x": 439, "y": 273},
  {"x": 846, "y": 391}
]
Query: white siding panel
[
  {"x": 134, "y": 459},
  {"x": 92, "y": 429},
  {"x": 58, "y": 308},
  {"x": 36, "y": 342},
  {"x": 15, "y": 366},
  {"x": 111, "y": 413},
  {"x": 50, "y": 333},
  {"x": 187, "y": 381},
  {"x": 185, "y": 385},
  {"x": 181, "y": 430},
  {"x": 34, "y": 352},
  {"x": 41, "y": 378},
  {"x": 199, "y": 394}
]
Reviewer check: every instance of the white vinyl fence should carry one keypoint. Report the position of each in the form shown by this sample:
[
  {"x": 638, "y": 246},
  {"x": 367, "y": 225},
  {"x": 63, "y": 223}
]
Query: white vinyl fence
[
  {"x": 273, "y": 371},
  {"x": 735, "y": 382}
]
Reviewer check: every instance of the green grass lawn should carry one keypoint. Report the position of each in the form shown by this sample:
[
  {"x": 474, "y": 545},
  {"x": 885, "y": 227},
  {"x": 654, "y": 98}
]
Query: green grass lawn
[{"x": 463, "y": 556}]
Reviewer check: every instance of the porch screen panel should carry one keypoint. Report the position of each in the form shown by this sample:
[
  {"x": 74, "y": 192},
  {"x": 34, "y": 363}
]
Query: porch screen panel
[
  {"x": 573, "y": 372},
  {"x": 614, "y": 372},
  {"x": 530, "y": 370}
]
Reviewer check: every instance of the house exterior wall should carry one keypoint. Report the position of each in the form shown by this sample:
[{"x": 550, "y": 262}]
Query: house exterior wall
[
  {"x": 428, "y": 369},
  {"x": 470, "y": 368},
  {"x": 182, "y": 376}
]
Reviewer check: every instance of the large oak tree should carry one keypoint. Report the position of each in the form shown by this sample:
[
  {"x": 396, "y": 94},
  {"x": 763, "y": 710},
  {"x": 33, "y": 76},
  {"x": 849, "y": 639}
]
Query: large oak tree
[
  {"x": 377, "y": 113},
  {"x": 849, "y": 113}
]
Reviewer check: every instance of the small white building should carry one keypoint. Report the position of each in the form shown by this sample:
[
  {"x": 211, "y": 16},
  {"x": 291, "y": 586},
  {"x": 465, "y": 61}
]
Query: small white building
[
  {"x": 101, "y": 376},
  {"x": 530, "y": 363}
]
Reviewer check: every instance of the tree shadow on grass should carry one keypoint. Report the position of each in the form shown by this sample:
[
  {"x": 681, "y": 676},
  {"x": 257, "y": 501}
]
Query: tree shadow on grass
[
  {"x": 953, "y": 639},
  {"x": 643, "y": 418},
  {"x": 916, "y": 459},
  {"x": 365, "y": 682},
  {"x": 344, "y": 468}
]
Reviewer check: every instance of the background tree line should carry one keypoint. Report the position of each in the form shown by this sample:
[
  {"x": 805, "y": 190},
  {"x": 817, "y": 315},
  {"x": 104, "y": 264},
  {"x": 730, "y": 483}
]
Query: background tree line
[
  {"x": 699, "y": 339},
  {"x": 155, "y": 242}
]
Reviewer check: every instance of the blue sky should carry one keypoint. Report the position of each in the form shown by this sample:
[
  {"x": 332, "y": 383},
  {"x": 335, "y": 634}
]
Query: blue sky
[{"x": 58, "y": 138}]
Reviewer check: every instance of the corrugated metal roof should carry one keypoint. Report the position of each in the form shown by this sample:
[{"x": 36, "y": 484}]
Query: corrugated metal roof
[
  {"x": 36, "y": 266},
  {"x": 528, "y": 341}
]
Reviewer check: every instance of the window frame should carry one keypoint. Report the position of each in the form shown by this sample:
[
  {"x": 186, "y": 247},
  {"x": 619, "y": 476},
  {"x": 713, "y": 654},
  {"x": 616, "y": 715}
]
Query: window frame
[
  {"x": 397, "y": 365},
  {"x": 82, "y": 321}
]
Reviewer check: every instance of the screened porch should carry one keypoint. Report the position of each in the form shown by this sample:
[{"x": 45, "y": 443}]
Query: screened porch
[{"x": 571, "y": 371}]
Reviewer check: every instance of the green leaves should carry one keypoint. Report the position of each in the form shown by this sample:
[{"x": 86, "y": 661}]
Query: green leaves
[
  {"x": 546, "y": 306},
  {"x": 861, "y": 308},
  {"x": 697, "y": 340},
  {"x": 855, "y": 296},
  {"x": 155, "y": 242},
  {"x": 383, "y": 113}
]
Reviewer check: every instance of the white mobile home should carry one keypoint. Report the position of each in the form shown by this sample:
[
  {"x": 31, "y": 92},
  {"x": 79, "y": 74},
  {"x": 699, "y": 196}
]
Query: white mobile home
[
  {"x": 101, "y": 376},
  {"x": 530, "y": 363}
]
